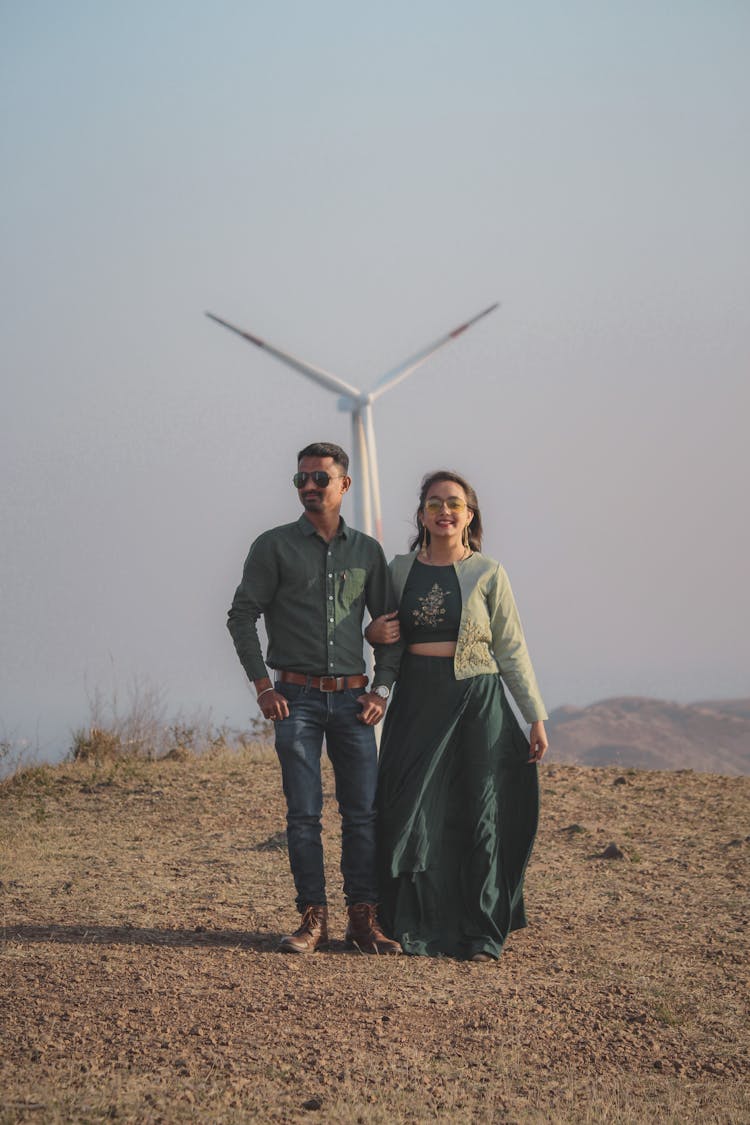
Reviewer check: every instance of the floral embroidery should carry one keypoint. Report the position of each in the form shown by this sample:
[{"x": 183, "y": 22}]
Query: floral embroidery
[
  {"x": 473, "y": 651},
  {"x": 432, "y": 608}
]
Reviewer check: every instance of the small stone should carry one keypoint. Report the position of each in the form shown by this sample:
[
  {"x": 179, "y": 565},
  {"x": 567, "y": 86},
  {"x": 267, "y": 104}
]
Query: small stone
[
  {"x": 312, "y": 1104},
  {"x": 620, "y": 781},
  {"x": 612, "y": 852}
]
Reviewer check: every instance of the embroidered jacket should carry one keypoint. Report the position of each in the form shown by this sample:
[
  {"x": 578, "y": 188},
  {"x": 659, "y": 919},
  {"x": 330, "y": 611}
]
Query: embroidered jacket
[{"x": 490, "y": 636}]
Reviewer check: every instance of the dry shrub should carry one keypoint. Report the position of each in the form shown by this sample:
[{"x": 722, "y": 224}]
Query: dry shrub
[
  {"x": 15, "y": 753},
  {"x": 179, "y": 754},
  {"x": 96, "y": 745},
  {"x": 139, "y": 728},
  {"x": 29, "y": 777}
]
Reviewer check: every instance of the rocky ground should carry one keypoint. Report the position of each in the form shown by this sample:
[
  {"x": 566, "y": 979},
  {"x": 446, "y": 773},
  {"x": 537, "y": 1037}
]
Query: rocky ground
[{"x": 141, "y": 902}]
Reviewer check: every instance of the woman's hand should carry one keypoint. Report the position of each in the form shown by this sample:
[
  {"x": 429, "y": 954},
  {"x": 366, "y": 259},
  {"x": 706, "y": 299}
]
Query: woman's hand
[
  {"x": 538, "y": 741},
  {"x": 384, "y": 630}
]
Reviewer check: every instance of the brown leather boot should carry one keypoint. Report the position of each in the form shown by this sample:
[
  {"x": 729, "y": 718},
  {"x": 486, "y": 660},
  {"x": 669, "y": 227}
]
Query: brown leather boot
[
  {"x": 364, "y": 932},
  {"x": 311, "y": 935}
]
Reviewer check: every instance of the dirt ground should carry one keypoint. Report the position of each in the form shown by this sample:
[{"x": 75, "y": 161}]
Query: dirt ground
[{"x": 141, "y": 903}]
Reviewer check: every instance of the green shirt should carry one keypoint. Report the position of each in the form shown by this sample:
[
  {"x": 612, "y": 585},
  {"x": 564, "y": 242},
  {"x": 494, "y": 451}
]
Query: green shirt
[{"x": 312, "y": 595}]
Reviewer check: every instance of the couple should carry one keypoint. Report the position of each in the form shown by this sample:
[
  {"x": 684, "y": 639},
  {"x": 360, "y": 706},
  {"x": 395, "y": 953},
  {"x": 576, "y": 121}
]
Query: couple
[{"x": 439, "y": 835}]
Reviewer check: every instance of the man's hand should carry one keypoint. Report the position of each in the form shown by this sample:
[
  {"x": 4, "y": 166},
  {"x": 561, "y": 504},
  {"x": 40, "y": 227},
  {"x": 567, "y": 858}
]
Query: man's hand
[
  {"x": 384, "y": 630},
  {"x": 274, "y": 706},
  {"x": 373, "y": 708}
]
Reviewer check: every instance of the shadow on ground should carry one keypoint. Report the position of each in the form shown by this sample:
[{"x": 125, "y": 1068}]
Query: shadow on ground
[{"x": 134, "y": 935}]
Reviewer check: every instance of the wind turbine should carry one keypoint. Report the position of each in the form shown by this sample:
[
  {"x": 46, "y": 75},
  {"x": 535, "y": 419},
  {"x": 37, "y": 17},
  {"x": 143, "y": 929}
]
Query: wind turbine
[{"x": 367, "y": 508}]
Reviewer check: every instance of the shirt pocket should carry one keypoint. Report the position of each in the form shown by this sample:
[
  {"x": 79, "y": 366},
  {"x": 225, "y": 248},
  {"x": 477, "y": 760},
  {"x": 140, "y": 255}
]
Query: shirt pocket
[{"x": 350, "y": 589}]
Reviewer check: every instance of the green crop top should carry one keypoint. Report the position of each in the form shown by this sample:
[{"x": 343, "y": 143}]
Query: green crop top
[{"x": 430, "y": 608}]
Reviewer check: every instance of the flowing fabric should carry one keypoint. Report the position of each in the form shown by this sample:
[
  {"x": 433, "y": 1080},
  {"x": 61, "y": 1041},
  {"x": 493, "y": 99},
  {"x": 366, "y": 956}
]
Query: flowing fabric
[{"x": 458, "y": 807}]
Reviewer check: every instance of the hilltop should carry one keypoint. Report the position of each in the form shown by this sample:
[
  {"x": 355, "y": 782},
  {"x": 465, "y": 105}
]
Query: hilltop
[
  {"x": 141, "y": 903},
  {"x": 712, "y": 736}
]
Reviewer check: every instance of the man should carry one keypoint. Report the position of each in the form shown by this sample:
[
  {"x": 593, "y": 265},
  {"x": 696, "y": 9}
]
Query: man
[{"x": 312, "y": 581}]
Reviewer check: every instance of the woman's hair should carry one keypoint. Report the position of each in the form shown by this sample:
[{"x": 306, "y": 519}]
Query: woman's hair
[{"x": 475, "y": 527}]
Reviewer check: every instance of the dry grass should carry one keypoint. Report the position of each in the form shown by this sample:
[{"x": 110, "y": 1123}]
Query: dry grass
[{"x": 141, "y": 902}]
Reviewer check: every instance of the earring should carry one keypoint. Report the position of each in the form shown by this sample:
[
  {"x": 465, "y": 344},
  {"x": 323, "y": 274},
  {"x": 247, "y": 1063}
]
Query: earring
[
  {"x": 465, "y": 536},
  {"x": 423, "y": 538}
]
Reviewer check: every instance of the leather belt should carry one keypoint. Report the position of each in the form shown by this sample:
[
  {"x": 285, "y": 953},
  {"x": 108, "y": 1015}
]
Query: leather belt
[{"x": 322, "y": 683}]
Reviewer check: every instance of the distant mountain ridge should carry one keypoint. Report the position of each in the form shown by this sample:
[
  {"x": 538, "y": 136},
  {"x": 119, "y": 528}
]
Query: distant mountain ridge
[{"x": 712, "y": 735}]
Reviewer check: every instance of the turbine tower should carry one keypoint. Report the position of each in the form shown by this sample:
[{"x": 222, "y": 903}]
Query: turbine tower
[{"x": 366, "y": 485}]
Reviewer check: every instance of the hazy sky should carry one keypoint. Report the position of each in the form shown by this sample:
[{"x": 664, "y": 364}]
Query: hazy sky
[{"x": 349, "y": 181}]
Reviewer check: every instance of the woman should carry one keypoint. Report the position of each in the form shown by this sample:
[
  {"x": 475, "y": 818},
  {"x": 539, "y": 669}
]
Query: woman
[{"x": 458, "y": 794}]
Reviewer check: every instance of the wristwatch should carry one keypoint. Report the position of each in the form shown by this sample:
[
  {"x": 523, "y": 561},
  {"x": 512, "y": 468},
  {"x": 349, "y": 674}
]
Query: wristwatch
[{"x": 383, "y": 691}]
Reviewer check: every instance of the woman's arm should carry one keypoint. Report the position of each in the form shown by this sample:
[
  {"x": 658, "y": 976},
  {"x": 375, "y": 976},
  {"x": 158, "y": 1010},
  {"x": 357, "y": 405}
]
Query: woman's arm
[{"x": 511, "y": 653}]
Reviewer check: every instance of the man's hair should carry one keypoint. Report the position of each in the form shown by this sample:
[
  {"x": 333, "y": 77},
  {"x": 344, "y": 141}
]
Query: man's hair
[{"x": 326, "y": 449}]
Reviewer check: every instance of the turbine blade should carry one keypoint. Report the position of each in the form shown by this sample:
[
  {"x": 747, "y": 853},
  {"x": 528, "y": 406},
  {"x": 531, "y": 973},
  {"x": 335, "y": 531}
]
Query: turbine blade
[
  {"x": 391, "y": 378},
  {"x": 317, "y": 374}
]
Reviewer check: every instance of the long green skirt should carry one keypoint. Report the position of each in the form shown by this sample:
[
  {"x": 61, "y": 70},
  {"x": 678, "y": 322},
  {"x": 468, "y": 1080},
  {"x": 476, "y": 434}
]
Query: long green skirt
[{"x": 458, "y": 807}]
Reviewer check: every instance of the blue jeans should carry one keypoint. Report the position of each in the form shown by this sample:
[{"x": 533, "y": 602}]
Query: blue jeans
[{"x": 351, "y": 748}]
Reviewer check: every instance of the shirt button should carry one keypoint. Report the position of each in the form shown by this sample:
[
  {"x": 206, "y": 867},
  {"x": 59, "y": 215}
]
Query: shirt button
[
  {"x": 331, "y": 620},
  {"x": 330, "y": 576},
  {"x": 330, "y": 642}
]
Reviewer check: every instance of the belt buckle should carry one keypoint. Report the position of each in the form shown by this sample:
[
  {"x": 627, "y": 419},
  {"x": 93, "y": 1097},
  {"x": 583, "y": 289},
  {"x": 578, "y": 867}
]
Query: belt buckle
[{"x": 330, "y": 680}]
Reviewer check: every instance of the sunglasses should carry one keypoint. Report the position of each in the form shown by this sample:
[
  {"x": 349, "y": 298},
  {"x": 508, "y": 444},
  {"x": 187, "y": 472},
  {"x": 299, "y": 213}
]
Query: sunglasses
[
  {"x": 319, "y": 477},
  {"x": 453, "y": 504}
]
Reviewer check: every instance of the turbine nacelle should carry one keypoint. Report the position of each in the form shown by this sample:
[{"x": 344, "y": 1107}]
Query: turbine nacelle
[{"x": 346, "y": 403}]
